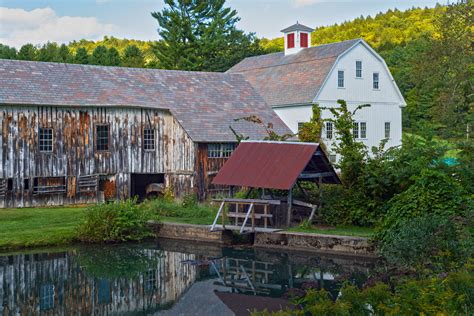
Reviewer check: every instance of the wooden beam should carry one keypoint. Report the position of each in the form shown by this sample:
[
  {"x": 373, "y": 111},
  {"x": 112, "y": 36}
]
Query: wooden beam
[
  {"x": 315, "y": 175},
  {"x": 249, "y": 201}
]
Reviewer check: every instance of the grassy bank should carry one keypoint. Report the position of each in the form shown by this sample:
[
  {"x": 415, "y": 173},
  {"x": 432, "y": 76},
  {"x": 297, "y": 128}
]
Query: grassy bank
[
  {"x": 31, "y": 227},
  {"x": 339, "y": 230}
]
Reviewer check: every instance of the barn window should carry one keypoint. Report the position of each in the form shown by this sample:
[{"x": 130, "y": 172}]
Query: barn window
[
  {"x": 332, "y": 159},
  {"x": 149, "y": 139},
  {"x": 150, "y": 280},
  {"x": 46, "y": 297},
  {"x": 26, "y": 184},
  {"x": 304, "y": 39},
  {"x": 329, "y": 130},
  {"x": 9, "y": 184},
  {"x": 340, "y": 79},
  {"x": 387, "y": 129},
  {"x": 358, "y": 69},
  {"x": 375, "y": 81},
  {"x": 102, "y": 137},
  {"x": 45, "y": 140},
  {"x": 290, "y": 40},
  {"x": 223, "y": 150}
]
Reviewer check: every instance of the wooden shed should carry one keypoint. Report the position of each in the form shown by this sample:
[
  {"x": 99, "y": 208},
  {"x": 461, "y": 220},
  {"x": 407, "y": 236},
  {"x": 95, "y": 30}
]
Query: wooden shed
[
  {"x": 79, "y": 134},
  {"x": 269, "y": 165}
]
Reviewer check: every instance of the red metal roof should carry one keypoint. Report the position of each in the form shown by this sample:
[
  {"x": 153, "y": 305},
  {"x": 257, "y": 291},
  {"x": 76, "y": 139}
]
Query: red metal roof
[{"x": 271, "y": 165}]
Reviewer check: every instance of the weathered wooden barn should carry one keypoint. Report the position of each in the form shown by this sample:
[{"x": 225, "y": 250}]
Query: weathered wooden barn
[{"x": 79, "y": 134}]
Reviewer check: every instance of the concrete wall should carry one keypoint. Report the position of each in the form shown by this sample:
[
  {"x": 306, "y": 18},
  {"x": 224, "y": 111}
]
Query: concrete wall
[{"x": 315, "y": 242}]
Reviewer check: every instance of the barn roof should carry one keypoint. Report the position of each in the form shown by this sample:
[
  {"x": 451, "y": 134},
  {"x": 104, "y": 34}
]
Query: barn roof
[
  {"x": 292, "y": 79},
  {"x": 275, "y": 165},
  {"x": 204, "y": 103}
]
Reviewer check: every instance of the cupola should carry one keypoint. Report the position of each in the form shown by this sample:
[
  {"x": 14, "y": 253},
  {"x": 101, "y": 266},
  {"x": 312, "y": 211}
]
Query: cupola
[{"x": 297, "y": 37}]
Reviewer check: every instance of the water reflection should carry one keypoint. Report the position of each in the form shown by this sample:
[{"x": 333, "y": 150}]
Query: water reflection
[{"x": 171, "y": 278}]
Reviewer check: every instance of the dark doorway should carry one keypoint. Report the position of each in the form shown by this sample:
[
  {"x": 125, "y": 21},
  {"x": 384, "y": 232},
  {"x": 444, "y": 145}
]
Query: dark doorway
[{"x": 139, "y": 182}]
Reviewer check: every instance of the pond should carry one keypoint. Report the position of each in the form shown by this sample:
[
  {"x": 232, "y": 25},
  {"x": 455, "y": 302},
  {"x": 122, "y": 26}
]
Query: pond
[{"x": 165, "y": 278}]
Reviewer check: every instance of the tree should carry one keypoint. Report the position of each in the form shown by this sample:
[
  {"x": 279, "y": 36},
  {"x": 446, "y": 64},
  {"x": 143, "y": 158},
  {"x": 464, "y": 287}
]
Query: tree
[
  {"x": 311, "y": 131},
  {"x": 81, "y": 57},
  {"x": 27, "y": 52},
  {"x": 133, "y": 57},
  {"x": 99, "y": 55},
  {"x": 7, "y": 52},
  {"x": 49, "y": 52},
  {"x": 64, "y": 54},
  {"x": 112, "y": 57},
  {"x": 201, "y": 35}
]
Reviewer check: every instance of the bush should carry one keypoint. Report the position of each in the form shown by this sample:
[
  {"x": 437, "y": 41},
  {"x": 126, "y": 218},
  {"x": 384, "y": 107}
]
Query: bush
[
  {"x": 433, "y": 193},
  {"x": 115, "y": 222},
  {"x": 188, "y": 207},
  {"x": 436, "y": 242}
]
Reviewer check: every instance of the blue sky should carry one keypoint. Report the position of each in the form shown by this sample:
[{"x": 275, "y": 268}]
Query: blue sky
[{"x": 38, "y": 21}]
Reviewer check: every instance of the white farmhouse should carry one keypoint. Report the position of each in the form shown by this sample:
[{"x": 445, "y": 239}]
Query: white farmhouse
[{"x": 293, "y": 80}]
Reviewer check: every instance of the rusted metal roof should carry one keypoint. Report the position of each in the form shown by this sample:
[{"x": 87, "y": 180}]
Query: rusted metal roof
[{"x": 275, "y": 165}]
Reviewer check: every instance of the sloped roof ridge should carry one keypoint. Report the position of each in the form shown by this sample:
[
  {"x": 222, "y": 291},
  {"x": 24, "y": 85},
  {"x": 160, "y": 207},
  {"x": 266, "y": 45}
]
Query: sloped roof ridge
[{"x": 84, "y": 66}]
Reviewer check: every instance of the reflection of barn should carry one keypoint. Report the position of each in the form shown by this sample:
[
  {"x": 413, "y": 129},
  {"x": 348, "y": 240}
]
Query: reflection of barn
[
  {"x": 77, "y": 133},
  {"x": 54, "y": 284}
]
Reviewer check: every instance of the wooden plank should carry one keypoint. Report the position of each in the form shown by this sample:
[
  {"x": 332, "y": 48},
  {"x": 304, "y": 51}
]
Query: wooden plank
[
  {"x": 246, "y": 218},
  {"x": 249, "y": 201},
  {"x": 301, "y": 203},
  {"x": 243, "y": 215},
  {"x": 217, "y": 217},
  {"x": 315, "y": 175}
]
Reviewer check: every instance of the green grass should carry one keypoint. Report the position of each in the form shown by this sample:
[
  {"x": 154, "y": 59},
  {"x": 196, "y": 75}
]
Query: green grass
[
  {"x": 339, "y": 230},
  {"x": 31, "y": 227}
]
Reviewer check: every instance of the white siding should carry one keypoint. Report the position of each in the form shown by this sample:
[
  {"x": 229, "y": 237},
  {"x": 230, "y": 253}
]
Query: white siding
[{"x": 360, "y": 89}]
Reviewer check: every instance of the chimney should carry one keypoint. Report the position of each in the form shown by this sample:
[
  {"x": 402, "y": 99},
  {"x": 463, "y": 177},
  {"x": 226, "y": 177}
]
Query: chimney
[{"x": 297, "y": 37}]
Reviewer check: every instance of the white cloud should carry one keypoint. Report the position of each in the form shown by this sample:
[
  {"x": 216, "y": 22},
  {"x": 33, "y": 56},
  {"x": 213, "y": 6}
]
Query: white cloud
[{"x": 38, "y": 26}]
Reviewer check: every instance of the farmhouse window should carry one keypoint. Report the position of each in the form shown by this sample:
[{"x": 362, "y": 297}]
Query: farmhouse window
[
  {"x": 358, "y": 69},
  {"x": 46, "y": 297},
  {"x": 355, "y": 130},
  {"x": 329, "y": 130},
  {"x": 291, "y": 40},
  {"x": 387, "y": 129},
  {"x": 223, "y": 150},
  {"x": 149, "y": 139},
  {"x": 375, "y": 81},
  {"x": 363, "y": 130},
  {"x": 340, "y": 79},
  {"x": 102, "y": 137},
  {"x": 304, "y": 39},
  {"x": 45, "y": 140},
  {"x": 332, "y": 158}
]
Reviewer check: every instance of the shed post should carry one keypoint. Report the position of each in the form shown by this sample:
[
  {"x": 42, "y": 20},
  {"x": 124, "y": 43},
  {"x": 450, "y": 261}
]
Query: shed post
[{"x": 290, "y": 202}]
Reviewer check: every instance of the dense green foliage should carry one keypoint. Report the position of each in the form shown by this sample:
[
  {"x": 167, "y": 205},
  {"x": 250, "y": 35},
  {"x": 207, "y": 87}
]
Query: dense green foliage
[
  {"x": 115, "y": 222},
  {"x": 452, "y": 294},
  {"x": 201, "y": 35}
]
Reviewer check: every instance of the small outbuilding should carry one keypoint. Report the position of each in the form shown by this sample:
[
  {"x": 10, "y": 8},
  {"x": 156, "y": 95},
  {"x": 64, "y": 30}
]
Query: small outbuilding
[{"x": 270, "y": 165}]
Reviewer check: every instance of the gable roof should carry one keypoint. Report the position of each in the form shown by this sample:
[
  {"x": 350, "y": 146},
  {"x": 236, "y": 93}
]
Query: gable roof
[
  {"x": 204, "y": 103},
  {"x": 292, "y": 79},
  {"x": 275, "y": 165},
  {"x": 297, "y": 27}
]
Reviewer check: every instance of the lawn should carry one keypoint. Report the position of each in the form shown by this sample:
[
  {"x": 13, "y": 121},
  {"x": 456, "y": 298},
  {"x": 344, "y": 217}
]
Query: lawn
[
  {"x": 29, "y": 227},
  {"x": 339, "y": 230}
]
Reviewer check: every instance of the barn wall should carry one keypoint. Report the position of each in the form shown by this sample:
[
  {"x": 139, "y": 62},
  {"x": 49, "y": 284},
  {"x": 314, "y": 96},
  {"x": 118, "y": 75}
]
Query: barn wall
[
  {"x": 206, "y": 169},
  {"x": 74, "y": 153}
]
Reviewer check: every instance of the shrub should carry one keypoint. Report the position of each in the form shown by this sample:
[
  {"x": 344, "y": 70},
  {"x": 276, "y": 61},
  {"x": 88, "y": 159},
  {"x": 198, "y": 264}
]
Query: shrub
[
  {"x": 433, "y": 193},
  {"x": 188, "y": 207},
  {"x": 115, "y": 222},
  {"x": 437, "y": 242}
]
